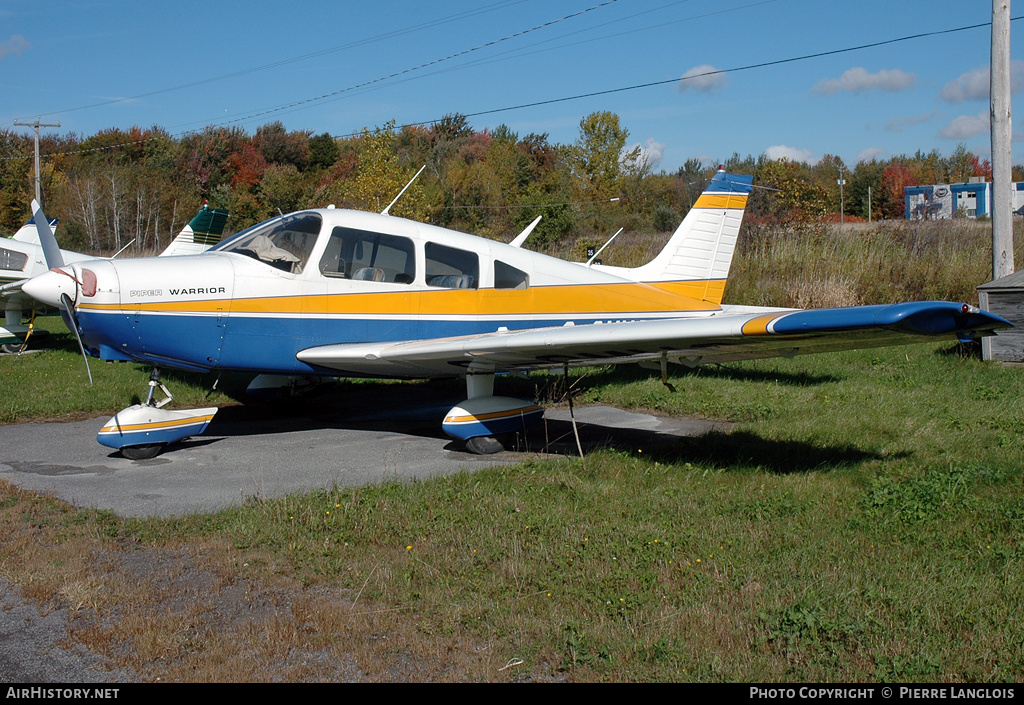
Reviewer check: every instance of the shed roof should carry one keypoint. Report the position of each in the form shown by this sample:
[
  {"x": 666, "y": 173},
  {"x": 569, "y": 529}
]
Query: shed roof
[{"x": 1010, "y": 281}]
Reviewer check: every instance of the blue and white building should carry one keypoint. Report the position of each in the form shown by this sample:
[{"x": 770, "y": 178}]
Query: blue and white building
[{"x": 970, "y": 200}]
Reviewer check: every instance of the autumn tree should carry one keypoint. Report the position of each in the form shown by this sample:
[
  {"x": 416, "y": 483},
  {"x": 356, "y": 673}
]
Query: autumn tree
[
  {"x": 895, "y": 178},
  {"x": 378, "y": 177},
  {"x": 278, "y": 146}
]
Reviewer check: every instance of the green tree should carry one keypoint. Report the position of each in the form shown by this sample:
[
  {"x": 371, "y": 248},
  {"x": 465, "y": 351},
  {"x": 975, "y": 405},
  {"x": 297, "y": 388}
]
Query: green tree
[
  {"x": 323, "y": 151},
  {"x": 596, "y": 158},
  {"x": 866, "y": 175},
  {"x": 378, "y": 177}
]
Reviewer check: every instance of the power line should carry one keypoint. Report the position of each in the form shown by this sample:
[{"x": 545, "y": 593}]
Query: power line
[
  {"x": 609, "y": 91},
  {"x": 736, "y": 69},
  {"x": 434, "y": 62},
  {"x": 323, "y": 52}
]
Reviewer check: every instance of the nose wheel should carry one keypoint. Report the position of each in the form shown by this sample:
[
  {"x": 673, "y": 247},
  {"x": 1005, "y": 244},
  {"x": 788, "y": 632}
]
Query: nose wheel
[
  {"x": 143, "y": 452},
  {"x": 484, "y": 445},
  {"x": 142, "y": 431}
]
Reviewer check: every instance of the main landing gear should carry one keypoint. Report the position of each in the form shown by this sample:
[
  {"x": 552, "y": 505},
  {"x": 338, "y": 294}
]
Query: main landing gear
[
  {"x": 483, "y": 418},
  {"x": 141, "y": 431}
]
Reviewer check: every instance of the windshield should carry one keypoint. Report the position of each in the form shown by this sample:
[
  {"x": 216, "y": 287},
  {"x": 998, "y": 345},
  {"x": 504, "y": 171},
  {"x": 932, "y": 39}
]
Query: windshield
[{"x": 283, "y": 243}]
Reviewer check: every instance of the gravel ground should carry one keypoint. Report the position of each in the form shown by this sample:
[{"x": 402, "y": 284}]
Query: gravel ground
[{"x": 34, "y": 646}]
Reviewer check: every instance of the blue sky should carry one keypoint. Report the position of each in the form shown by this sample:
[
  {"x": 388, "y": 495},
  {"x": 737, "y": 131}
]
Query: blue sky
[{"x": 339, "y": 67}]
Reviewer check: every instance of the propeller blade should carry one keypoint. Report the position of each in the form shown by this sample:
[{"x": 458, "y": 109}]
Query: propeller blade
[
  {"x": 67, "y": 312},
  {"x": 51, "y": 251}
]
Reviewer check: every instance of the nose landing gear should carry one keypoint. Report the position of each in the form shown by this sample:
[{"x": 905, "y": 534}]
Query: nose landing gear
[{"x": 142, "y": 431}]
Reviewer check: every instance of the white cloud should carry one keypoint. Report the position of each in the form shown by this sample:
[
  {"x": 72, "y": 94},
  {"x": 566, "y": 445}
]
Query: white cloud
[
  {"x": 793, "y": 154},
  {"x": 702, "y": 78},
  {"x": 965, "y": 127},
  {"x": 897, "y": 124},
  {"x": 869, "y": 155},
  {"x": 649, "y": 154},
  {"x": 974, "y": 84},
  {"x": 652, "y": 152},
  {"x": 858, "y": 80},
  {"x": 15, "y": 45}
]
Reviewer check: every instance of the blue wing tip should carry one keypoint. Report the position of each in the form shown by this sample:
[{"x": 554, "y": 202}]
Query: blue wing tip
[{"x": 916, "y": 317}]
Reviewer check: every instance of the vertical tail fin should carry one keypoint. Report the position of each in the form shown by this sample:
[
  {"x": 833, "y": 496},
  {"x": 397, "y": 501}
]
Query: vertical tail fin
[
  {"x": 701, "y": 249},
  {"x": 202, "y": 233},
  {"x": 28, "y": 233}
]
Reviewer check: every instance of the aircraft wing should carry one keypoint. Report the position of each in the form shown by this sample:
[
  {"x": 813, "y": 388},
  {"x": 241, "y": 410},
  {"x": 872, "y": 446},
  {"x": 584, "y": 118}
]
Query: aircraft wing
[{"x": 738, "y": 333}]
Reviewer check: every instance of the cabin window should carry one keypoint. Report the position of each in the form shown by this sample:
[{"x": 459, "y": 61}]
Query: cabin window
[
  {"x": 368, "y": 256},
  {"x": 12, "y": 260},
  {"x": 508, "y": 277},
  {"x": 283, "y": 243},
  {"x": 451, "y": 268}
]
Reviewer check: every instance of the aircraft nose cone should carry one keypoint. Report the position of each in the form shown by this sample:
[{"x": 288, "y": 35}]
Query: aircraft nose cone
[{"x": 49, "y": 286}]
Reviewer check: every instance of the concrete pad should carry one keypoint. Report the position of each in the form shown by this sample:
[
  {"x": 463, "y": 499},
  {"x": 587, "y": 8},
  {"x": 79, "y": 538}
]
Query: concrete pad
[{"x": 254, "y": 451}]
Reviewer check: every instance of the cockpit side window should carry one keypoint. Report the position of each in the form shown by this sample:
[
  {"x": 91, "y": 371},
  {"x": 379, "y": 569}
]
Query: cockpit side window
[
  {"x": 283, "y": 243},
  {"x": 508, "y": 277},
  {"x": 451, "y": 268},
  {"x": 367, "y": 256},
  {"x": 12, "y": 260}
]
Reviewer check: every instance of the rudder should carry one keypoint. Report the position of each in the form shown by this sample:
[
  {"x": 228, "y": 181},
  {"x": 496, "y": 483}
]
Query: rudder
[{"x": 702, "y": 247}]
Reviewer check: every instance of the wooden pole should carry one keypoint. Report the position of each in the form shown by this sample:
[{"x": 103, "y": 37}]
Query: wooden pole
[{"x": 1002, "y": 150}]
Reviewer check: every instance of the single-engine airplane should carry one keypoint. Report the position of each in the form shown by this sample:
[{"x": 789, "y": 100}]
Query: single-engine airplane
[
  {"x": 22, "y": 257},
  {"x": 331, "y": 292}
]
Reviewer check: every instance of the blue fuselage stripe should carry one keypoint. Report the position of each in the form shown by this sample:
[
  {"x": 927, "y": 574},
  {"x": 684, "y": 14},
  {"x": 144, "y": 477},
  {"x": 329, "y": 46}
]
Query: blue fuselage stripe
[{"x": 264, "y": 344}]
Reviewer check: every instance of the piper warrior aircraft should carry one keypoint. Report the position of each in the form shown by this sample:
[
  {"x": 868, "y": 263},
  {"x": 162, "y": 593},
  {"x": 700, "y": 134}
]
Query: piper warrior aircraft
[
  {"x": 22, "y": 257},
  {"x": 332, "y": 292}
]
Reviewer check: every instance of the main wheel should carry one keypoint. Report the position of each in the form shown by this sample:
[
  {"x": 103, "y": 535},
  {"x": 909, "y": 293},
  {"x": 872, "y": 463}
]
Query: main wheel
[
  {"x": 484, "y": 445},
  {"x": 143, "y": 452}
]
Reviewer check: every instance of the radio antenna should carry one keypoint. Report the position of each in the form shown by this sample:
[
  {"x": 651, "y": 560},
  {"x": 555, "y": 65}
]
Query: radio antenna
[{"x": 385, "y": 211}]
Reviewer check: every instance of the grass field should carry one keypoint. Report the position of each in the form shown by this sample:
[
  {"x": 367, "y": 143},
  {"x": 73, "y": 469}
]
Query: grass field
[{"x": 863, "y": 522}]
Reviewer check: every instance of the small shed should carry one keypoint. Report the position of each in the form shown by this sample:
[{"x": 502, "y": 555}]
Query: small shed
[{"x": 1004, "y": 297}]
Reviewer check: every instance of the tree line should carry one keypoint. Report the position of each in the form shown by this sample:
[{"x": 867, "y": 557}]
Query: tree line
[{"x": 144, "y": 184}]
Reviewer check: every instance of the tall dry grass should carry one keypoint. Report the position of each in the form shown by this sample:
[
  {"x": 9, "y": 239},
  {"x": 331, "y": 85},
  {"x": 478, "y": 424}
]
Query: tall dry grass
[{"x": 822, "y": 265}]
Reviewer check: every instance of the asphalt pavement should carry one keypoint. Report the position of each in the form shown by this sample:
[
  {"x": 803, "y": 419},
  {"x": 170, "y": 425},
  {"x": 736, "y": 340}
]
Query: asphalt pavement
[{"x": 391, "y": 434}]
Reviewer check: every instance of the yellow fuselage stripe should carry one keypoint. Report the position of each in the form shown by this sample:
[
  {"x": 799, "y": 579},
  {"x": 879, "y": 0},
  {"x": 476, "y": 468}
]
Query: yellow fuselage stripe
[{"x": 570, "y": 300}]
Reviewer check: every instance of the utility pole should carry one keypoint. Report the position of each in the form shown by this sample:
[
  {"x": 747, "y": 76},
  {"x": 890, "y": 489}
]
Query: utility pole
[
  {"x": 1002, "y": 150},
  {"x": 37, "y": 125},
  {"x": 842, "y": 182}
]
